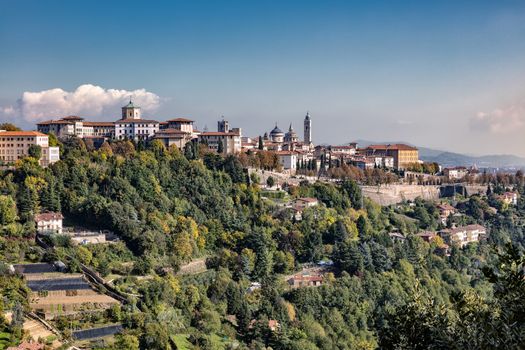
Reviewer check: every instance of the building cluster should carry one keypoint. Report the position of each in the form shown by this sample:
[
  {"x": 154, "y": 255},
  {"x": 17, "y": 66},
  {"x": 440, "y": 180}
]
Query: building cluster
[
  {"x": 459, "y": 236},
  {"x": 293, "y": 153},
  {"x": 388, "y": 156},
  {"x": 131, "y": 126}
]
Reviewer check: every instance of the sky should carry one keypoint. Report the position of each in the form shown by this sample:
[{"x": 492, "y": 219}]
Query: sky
[{"x": 443, "y": 74}]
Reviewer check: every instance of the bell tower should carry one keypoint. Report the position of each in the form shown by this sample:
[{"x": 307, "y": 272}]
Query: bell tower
[
  {"x": 307, "y": 129},
  {"x": 130, "y": 111}
]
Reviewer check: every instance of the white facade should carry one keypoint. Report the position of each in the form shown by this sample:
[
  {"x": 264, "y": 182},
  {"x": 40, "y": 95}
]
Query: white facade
[
  {"x": 456, "y": 173},
  {"x": 384, "y": 162},
  {"x": 49, "y": 223},
  {"x": 14, "y": 145},
  {"x": 135, "y": 129},
  {"x": 288, "y": 160},
  {"x": 76, "y": 126}
]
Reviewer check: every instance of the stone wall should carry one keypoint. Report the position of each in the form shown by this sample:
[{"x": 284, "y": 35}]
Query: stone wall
[{"x": 392, "y": 194}]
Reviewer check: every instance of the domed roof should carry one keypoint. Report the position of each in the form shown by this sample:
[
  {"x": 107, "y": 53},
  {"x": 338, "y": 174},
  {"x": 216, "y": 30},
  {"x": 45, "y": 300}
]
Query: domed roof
[
  {"x": 130, "y": 104},
  {"x": 276, "y": 130}
]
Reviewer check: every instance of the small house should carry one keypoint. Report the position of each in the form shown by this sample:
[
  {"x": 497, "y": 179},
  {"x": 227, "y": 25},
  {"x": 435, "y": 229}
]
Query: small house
[{"x": 49, "y": 222}]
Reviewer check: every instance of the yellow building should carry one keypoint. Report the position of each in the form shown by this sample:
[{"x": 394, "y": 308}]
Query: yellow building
[{"x": 403, "y": 155}]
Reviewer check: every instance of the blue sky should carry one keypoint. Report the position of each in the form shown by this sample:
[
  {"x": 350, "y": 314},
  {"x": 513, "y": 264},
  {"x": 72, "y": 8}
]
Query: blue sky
[{"x": 442, "y": 74}]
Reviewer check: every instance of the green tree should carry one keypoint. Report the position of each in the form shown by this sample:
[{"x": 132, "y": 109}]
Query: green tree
[
  {"x": 9, "y": 127},
  {"x": 351, "y": 189},
  {"x": 126, "y": 342},
  {"x": 7, "y": 210},
  {"x": 35, "y": 151},
  {"x": 270, "y": 181}
]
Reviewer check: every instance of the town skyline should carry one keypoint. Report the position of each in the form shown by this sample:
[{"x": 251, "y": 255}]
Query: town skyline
[{"x": 439, "y": 75}]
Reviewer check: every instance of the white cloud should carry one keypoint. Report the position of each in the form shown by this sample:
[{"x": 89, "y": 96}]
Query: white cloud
[
  {"x": 86, "y": 100},
  {"x": 501, "y": 120}
]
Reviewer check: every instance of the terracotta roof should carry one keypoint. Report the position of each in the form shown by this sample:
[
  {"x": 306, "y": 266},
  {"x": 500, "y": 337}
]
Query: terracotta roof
[
  {"x": 59, "y": 121},
  {"x": 172, "y": 131},
  {"x": 219, "y": 133},
  {"x": 343, "y": 147},
  {"x": 48, "y": 216},
  {"x": 99, "y": 123},
  {"x": 181, "y": 120},
  {"x": 445, "y": 206},
  {"x": 397, "y": 146},
  {"x": 21, "y": 133},
  {"x": 427, "y": 235},
  {"x": 464, "y": 228},
  {"x": 307, "y": 199},
  {"x": 285, "y": 153},
  {"x": 72, "y": 117},
  {"x": 136, "y": 121}
]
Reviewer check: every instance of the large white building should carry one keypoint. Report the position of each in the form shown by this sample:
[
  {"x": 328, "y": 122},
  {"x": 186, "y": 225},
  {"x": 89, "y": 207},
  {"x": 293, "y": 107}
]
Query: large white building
[
  {"x": 133, "y": 127},
  {"x": 14, "y": 145},
  {"x": 77, "y": 126},
  {"x": 288, "y": 160}
]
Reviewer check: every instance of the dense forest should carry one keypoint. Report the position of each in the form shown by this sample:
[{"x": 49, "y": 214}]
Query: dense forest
[{"x": 171, "y": 206}]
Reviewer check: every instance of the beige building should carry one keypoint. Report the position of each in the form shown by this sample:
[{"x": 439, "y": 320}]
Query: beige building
[
  {"x": 178, "y": 132},
  {"x": 403, "y": 155},
  {"x": 170, "y": 137},
  {"x": 14, "y": 145},
  {"x": 231, "y": 139},
  {"x": 463, "y": 235}
]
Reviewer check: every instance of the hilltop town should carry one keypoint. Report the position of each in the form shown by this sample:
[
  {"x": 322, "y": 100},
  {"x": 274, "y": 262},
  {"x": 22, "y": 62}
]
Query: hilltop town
[{"x": 275, "y": 150}]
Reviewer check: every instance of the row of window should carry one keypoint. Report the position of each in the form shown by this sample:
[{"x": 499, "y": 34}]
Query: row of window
[
  {"x": 9, "y": 145},
  {"x": 137, "y": 125},
  {"x": 17, "y": 139}
]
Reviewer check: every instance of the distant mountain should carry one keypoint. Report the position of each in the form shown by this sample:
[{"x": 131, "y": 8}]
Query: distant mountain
[{"x": 449, "y": 159}]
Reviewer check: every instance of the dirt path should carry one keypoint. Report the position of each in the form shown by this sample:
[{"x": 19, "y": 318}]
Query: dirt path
[{"x": 193, "y": 267}]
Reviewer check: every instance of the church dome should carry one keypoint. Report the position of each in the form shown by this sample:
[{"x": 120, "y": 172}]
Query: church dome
[{"x": 276, "y": 131}]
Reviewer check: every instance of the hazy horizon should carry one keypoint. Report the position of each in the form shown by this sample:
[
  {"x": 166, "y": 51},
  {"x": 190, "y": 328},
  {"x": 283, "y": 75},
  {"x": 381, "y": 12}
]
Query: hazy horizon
[{"x": 442, "y": 75}]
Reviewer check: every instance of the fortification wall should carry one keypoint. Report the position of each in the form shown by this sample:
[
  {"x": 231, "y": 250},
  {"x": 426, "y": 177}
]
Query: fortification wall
[{"x": 392, "y": 194}]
